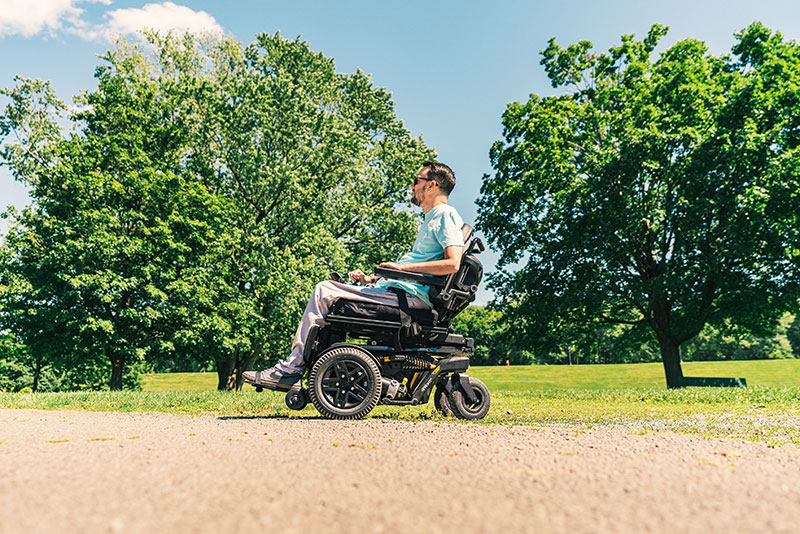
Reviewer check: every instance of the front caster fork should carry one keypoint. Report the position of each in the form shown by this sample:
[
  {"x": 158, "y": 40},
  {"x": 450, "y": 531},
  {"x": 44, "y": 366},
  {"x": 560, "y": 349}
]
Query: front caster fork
[{"x": 462, "y": 380}]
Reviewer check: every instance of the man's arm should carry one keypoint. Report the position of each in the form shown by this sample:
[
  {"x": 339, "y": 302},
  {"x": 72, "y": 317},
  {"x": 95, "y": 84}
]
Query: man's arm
[{"x": 447, "y": 265}]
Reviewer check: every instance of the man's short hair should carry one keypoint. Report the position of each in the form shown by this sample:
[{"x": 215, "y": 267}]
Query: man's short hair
[{"x": 443, "y": 175}]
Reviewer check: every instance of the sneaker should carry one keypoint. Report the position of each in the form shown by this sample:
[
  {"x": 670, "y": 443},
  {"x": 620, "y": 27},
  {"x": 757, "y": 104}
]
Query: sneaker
[{"x": 274, "y": 379}]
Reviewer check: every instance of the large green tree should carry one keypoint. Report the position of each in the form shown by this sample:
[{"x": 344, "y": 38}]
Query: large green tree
[
  {"x": 659, "y": 192},
  {"x": 315, "y": 165},
  {"x": 110, "y": 228}
]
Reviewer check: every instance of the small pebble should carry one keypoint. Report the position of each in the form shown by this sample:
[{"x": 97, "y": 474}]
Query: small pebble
[{"x": 509, "y": 412}]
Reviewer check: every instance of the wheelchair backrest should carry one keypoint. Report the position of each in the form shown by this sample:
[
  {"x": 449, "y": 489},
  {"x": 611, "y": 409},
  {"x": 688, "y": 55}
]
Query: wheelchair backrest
[{"x": 460, "y": 287}]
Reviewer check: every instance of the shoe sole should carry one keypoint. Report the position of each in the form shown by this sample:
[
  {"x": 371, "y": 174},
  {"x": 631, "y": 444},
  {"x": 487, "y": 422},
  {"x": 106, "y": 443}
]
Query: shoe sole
[{"x": 274, "y": 386}]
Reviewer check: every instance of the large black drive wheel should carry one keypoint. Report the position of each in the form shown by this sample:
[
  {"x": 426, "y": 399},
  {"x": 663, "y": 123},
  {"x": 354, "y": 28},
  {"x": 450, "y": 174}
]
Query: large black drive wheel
[
  {"x": 345, "y": 383},
  {"x": 463, "y": 408},
  {"x": 441, "y": 401}
]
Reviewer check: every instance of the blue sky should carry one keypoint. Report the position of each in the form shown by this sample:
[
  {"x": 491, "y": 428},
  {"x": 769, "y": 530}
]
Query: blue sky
[{"x": 452, "y": 66}]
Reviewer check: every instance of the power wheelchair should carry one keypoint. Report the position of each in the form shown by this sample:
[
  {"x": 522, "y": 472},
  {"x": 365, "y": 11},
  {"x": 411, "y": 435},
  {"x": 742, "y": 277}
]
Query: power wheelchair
[{"x": 366, "y": 353}]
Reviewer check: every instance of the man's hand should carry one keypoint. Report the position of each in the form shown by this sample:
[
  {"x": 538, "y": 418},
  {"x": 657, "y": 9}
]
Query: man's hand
[
  {"x": 359, "y": 277},
  {"x": 392, "y": 265}
]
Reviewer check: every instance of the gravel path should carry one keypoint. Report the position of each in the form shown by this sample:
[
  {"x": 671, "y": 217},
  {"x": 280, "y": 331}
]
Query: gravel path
[{"x": 112, "y": 472}]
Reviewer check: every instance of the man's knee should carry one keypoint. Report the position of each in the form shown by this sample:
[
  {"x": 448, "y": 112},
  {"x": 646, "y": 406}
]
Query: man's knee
[
  {"x": 326, "y": 289},
  {"x": 324, "y": 286}
]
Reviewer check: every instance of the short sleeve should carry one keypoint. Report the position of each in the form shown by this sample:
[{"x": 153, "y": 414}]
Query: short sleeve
[{"x": 448, "y": 233}]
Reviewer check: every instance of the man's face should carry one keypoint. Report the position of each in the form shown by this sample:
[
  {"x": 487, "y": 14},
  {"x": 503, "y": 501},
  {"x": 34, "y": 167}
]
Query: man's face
[{"x": 421, "y": 186}]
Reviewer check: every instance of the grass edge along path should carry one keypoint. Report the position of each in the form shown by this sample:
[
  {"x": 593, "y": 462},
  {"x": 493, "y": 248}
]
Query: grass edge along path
[
  {"x": 533, "y": 396},
  {"x": 770, "y": 415}
]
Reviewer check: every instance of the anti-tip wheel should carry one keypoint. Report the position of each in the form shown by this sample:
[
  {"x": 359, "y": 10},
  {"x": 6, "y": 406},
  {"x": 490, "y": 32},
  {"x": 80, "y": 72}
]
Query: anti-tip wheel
[{"x": 296, "y": 399}]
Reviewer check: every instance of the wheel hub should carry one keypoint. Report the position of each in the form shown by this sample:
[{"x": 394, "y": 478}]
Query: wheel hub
[{"x": 345, "y": 384}]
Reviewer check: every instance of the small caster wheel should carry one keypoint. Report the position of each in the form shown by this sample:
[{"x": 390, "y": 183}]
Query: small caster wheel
[
  {"x": 296, "y": 399},
  {"x": 259, "y": 389},
  {"x": 461, "y": 405}
]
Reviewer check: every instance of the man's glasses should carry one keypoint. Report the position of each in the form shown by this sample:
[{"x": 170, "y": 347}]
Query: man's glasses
[{"x": 418, "y": 178}]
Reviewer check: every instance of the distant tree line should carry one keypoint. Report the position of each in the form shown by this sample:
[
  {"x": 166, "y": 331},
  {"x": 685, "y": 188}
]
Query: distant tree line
[{"x": 495, "y": 344}]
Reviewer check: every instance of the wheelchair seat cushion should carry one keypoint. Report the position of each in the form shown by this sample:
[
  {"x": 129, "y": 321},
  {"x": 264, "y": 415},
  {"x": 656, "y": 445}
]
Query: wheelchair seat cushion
[{"x": 381, "y": 312}]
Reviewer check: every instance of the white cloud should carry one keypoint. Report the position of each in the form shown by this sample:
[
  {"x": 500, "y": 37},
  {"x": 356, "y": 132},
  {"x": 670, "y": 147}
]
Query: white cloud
[
  {"x": 163, "y": 17},
  {"x": 29, "y": 17}
]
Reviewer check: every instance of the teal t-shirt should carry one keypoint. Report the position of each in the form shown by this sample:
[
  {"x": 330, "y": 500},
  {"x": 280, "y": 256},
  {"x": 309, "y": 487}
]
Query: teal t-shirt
[{"x": 440, "y": 229}]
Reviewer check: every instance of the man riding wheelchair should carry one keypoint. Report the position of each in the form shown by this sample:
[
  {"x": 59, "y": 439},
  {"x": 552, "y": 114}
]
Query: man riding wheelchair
[{"x": 392, "y": 342}]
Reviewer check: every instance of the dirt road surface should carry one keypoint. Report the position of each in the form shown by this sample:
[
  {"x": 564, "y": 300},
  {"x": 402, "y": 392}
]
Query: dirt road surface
[{"x": 113, "y": 472}]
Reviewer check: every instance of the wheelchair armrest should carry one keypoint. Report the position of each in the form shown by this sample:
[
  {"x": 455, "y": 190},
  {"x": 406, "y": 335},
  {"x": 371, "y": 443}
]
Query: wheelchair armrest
[{"x": 418, "y": 278}]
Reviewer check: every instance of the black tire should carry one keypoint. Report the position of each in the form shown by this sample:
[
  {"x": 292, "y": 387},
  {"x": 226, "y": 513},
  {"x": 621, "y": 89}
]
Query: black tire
[
  {"x": 442, "y": 402},
  {"x": 335, "y": 400},
  {"x": 296, "y": 399},
  {"x": 463, "y": 408}
]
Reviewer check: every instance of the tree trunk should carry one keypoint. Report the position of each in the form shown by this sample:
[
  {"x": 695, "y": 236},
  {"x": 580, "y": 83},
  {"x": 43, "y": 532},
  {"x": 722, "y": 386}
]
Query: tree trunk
[
  {"x": 37, "y": 371},
  {"x": 224, "y": 367},
  {"x": 671, "y": 357},
  {"x": 229, "y": 371},
  {"x": 117, "y": 366}
]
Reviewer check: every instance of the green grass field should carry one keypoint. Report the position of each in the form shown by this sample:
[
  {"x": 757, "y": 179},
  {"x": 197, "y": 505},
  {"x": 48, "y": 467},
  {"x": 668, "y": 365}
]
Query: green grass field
[
  {"x": 769, "y": 373},
  {"x": 632, "y": 397}
]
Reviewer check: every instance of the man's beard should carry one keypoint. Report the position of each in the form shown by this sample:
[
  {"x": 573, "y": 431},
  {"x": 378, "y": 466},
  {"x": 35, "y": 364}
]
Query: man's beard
[{"x": 415, "y": 200}]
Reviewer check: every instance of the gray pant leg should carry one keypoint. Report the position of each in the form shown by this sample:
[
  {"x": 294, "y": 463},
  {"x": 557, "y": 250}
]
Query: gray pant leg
[{"x": 323, "y": 296}]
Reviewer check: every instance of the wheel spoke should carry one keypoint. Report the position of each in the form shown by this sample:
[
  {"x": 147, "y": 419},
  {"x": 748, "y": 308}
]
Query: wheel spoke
[
  {"x": 347, "y": 395},
  {"x": 356, "y": 372}
]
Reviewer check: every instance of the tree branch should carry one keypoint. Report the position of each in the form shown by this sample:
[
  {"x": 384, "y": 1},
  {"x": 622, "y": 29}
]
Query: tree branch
[{"x": 611, "y": 320}]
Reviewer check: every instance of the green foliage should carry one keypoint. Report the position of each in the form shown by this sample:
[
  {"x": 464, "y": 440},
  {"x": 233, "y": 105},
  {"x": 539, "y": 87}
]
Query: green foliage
[
  {"x": 654, "y": 193},
  {"x": 206, "y": 188},
  {"x": 626, "y": 344},
  {"x": 18, "y": 370},
  {"x": 491, "y": 334},
  {"x": 14, "y": 373},
  {"x": 732, "y": 344}
]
